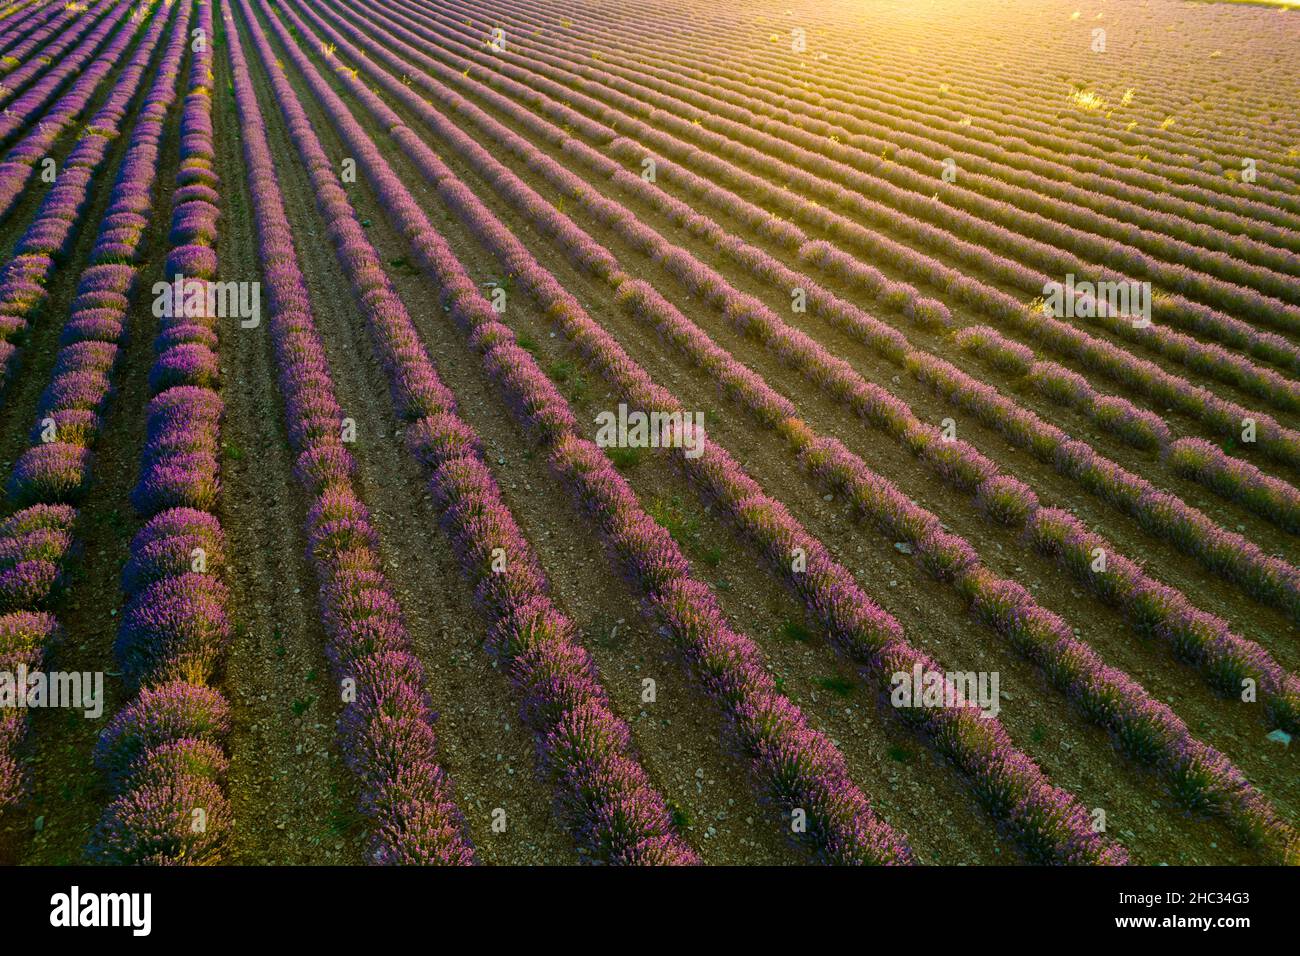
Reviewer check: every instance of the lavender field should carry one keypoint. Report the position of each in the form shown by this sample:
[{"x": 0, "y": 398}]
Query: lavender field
[{"x": 546, "y": 432}]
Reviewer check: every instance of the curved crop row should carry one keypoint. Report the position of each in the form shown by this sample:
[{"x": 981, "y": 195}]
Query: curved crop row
[
  {"x": 1266, "y": 578},
  {"x": 59, "y": 17},
  {"x": 1136, "y": 426},
  {"x": 1188, "y": 153},
  {"x": 169, "y": 804},
  {"x": 1231, "y": 555},
  {"x": 1205, "y": 462},
  {"x": 1144, "y": 729},
  {"x": 20, "y": 164}
]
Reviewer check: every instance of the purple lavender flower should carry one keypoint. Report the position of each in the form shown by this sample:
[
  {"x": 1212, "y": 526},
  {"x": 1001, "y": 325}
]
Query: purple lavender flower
[
  {"x": 160, "y": 715},
  {"x": 54, "y": 472},
  {"x": 174, "y": 629}
]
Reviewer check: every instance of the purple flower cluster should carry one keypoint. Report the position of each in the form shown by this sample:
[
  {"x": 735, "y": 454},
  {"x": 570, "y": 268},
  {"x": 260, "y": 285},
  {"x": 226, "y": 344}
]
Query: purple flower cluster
[
  {"x": 1173, "y": 616},
  {"x": 180, "y": 463},
  {"x": 1146, "y": 729},
  {"x": 1039, "y": 240},
  {"x": 24, "y": 638},
  {"x": 387, "y": 730},
  {"x": 987, "y": 198},
  {"x": 1193, "y": 458},
  {"x": 603, "y": 794},
  {"x": 34, "y": 546},
  {"x": 163, "y": 754}
]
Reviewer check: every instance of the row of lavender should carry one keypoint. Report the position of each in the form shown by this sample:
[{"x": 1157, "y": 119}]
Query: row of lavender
[
  {"x": 51, "y": 476},
  {"x": 758, "y": 219},
  {"x": 1251, "y": 292},
  {"x": 941, "y": 229},
  {"x": 1145, "y": 728},
  {"x": 1225, "y": 417},
  {"x": 1193, "y": 458},
  {"x": 1048, "y": 823},
  {"x": 1203, "y": 638},
  {"x": 23, "y": 635},
  {"x": 162, "y": 752}
]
